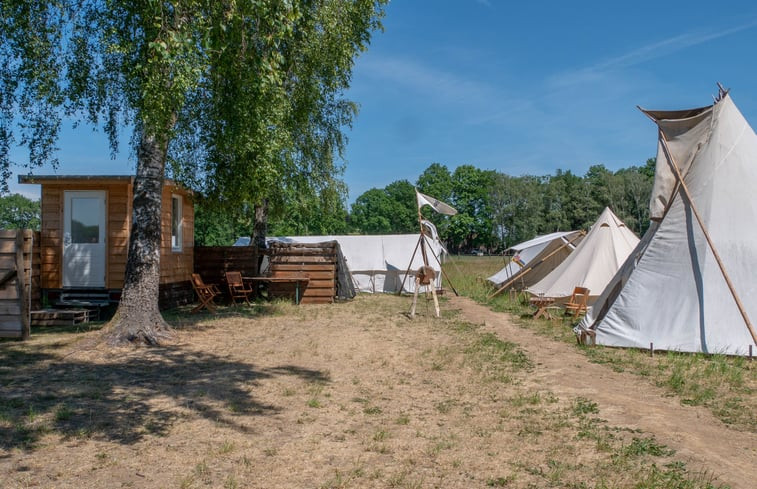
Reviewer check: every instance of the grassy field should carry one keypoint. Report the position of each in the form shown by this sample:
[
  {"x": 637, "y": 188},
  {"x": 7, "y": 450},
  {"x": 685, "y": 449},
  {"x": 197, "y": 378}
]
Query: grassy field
[
  {"x": 725, "y": 385},
  {"x": 351, "y": 395}
]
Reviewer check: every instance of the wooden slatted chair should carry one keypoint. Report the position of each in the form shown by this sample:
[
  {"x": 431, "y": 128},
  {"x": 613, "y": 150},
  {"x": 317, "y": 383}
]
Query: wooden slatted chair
[
  {"x": 237, "y": 288},
  {"x": 206, "y": 293},
  {"x": 577, "y": 303}
]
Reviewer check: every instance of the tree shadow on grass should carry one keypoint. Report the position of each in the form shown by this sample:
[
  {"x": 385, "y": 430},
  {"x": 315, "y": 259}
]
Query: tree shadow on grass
[
  {"x": 144, "y": 393},
  {"x": 179, "y": 318},
  {"x": 182, "y": 318}
]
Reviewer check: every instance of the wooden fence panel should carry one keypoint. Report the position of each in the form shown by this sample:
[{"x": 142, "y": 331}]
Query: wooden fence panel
[
  {"x": 212, "y": 262},
  {"x": 19, "y": 281}
]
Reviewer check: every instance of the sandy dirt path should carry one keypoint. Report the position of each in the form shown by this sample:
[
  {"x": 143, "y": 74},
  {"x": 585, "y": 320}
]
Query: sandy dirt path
[{"x": 629, "y": 401}]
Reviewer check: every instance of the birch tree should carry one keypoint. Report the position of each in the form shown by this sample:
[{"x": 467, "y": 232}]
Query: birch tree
[{"x": 206, "y": 85}]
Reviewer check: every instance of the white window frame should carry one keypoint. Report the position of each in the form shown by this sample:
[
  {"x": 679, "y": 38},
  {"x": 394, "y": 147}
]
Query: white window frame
[{"x": 177, "y": 239}]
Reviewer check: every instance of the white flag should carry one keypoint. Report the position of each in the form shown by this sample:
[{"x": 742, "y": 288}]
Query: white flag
[{"x": 436, "y": 204}]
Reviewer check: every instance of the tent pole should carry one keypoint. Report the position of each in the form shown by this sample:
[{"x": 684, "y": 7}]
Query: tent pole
[
  {"x": 522, "y": 272},
  {"x": 443, "y": 272},
  {"x": 686, "y": 192},
  {"x": 407, "y": 270},
  {"x": 422, "y": 241}
]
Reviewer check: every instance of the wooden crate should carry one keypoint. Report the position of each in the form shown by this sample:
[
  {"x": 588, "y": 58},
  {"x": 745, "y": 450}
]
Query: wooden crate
[
  {"x": 316, "y": 261},
  {"x": 19, "y": 277}
]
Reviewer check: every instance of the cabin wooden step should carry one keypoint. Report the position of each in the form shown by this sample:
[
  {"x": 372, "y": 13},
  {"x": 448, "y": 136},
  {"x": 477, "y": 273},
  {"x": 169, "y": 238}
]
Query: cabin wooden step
[{"x": 60, "y": 317}]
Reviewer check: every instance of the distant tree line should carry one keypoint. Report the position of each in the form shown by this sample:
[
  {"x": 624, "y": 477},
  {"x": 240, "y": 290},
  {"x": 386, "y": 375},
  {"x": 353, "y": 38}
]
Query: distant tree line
[{"x": 495, "y": 210}]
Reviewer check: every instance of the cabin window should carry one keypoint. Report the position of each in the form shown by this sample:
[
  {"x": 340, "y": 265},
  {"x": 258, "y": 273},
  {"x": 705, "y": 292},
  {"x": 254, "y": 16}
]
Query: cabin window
[
  {"x": 85, "y": 219},
  {"x": 176, "y": 222}
]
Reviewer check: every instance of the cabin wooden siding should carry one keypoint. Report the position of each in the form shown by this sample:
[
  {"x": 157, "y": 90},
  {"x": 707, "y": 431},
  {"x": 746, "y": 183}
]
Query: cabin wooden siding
[
  {"x": 175, "y": 266},
  {"x": 118, "y": 196}
]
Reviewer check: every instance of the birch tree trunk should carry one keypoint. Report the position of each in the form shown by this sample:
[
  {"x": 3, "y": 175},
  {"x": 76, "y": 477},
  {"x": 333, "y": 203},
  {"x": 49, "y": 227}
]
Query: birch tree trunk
[
  {"x": 138, "y": 319},
  {"x": 260, "y": 226},
  {"x": 260, "y": 231}
]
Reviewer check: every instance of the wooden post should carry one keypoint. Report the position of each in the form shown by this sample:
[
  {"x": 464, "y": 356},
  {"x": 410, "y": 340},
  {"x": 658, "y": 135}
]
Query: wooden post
[
  {"x": 436, "y": 301},
  {"x": 693, "y": 207},
  {"x": 422, "y": 240},
  {"x": 415, "y": 297},
  {"x": 407, "y": 270},
  {"x": 21, "y": 286},
  {"x": 444, "y": 273}
]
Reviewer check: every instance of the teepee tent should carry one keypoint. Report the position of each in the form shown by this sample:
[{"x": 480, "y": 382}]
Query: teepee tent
[
  {"x": 593, "y": 263},
  {"x": 689, "y": 285},
  {"x": 533, "y": 259}
]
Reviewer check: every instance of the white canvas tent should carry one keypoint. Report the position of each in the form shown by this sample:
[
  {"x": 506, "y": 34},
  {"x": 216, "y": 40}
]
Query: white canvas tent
[
  {"x": 378, "y": 262},
  {"x": 536, "y": 257},
  {"x": 672, "y": 292},
  {"x": 593, "y": 263}
]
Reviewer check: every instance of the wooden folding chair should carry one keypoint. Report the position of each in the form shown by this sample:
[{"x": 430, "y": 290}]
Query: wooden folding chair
[
  {"x": 237, "y": 288},
  {"x": 206, "y": 293},
  {"x": 577, "y": 303}
]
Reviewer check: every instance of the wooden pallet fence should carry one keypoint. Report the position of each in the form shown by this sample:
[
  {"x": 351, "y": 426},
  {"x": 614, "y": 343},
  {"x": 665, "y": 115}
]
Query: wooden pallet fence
[
  {"x": 316, "y": 261},
  {"x": 19, "y": 281},
  {"x": 212, "y": 262}
]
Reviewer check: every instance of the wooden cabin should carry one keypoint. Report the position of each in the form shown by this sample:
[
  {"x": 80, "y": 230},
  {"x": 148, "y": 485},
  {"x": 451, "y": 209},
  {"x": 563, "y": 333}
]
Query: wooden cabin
[{"x": 84, "y": 238}]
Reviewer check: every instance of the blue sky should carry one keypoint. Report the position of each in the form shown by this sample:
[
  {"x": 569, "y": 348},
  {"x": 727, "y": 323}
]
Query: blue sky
[{"x": 518, "y": 87}]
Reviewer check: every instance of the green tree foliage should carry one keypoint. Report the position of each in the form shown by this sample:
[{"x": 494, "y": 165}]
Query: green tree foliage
[
  {"x": 319, "y": 213},
  {"x": 516, "y": 204},
  {"x": 274, "y": 118},
  {"x": 390, "y": 210},
  {"x": 19, "y": 212},
  {"x": 571, "y": 206},
  {"x": 436, "y": 181},
  {"x": 216, "y": 226},
  {"x": 472, "y": 226}
]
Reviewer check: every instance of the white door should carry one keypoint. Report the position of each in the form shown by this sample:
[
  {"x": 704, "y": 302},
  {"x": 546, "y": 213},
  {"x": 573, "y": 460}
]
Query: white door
[{"x": 84, "y": 239}]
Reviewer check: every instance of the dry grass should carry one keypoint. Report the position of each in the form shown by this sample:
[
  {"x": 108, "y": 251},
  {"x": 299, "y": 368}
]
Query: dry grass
[{"x": 348, "y": 395}]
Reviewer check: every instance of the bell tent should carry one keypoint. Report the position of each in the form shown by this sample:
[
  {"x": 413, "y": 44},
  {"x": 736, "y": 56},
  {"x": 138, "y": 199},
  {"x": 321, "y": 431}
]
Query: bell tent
[
  {"x": 689, "y": 285},
  {"x": 593, "y": 263}
]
